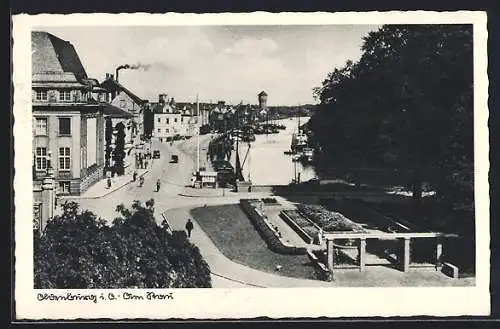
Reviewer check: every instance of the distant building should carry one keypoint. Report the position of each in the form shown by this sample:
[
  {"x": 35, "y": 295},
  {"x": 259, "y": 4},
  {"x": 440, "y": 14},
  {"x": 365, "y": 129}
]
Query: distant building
[
  {"x": 171, "y": 119},
  {"x": 262, "y": 96},
  {"x": 69, "y": 111},
  {"x": 125, "y": 99}
]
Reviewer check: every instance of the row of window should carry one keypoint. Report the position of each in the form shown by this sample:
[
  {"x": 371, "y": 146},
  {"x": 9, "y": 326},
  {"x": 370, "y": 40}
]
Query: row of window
[
  {"x": 64, "y": 157},
  {"x": 167, "y": 121},
  {"x": 64, "y": 126},
  {"x": 64, "y": 95}
]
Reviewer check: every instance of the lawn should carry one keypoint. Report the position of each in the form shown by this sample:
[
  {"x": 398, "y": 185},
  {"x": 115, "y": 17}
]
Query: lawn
[{"x": 235, "y": 236}]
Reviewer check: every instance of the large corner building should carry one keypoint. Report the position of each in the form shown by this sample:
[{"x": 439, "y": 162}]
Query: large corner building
[{"x": 69, "y": 112}]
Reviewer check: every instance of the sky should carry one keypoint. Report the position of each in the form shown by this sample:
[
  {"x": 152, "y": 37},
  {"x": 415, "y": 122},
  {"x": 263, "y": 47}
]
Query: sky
[{"x": 230, "y": 63}]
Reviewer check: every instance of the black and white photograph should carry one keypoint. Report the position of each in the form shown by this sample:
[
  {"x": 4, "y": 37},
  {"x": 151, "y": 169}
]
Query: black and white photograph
[{"x": 319, "y": 156}]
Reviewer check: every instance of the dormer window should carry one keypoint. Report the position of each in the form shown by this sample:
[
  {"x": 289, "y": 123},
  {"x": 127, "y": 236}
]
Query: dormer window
[
  {"x": 65, "y": 95},
  {"x": 41, "y": 95}
]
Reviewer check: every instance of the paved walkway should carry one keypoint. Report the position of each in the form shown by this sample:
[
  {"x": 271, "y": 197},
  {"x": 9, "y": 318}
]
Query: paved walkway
[
  {"x": 223, "y": 267},
  {"x": 226, "y": 273},
  {"x": 100, "y": 189},
  {"x": 226, "y": 270}
]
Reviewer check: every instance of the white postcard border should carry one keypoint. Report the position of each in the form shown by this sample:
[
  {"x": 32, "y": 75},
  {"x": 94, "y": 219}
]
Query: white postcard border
[{"x": 248, "y": 302}]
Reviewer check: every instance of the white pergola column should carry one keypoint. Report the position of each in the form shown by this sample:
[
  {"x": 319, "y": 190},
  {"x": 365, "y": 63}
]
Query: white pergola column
[
  {"x": 330, "y": 255},
  {"x": 406, "y": 254},
  {"x": 439, "y": 251},
  {"x": 362, "y": 254}
]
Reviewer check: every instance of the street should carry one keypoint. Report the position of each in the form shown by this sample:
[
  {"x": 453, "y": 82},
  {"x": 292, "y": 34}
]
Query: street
[{"x": 174, "y": 177}]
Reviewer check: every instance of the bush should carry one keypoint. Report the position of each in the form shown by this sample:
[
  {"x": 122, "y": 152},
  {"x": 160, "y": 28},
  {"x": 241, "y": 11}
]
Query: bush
[
  {"x": 269, "y": 200},
  {"x": 272, "y": 241},
  {"x": 80, "y": 251},
  {"x": 328, "y": 220}
]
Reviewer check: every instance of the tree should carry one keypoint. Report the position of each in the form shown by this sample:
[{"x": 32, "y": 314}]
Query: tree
[
  {"x": 406, "y": 104},
  {"x": 80, "y": 251},
  {"x": 119, "y": 153},
  {"x": 108, "y": 135},
  {"x": 148, "y": 122}
]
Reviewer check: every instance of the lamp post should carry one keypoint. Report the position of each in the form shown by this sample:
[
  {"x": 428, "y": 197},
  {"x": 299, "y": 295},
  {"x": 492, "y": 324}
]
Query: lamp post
[
  {"x": 48, "y": 188},
  {"x": 50, "y": 170}
]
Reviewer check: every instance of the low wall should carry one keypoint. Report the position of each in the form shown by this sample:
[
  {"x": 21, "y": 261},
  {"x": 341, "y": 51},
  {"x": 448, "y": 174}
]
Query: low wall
[
  {"x": 306, "y": 237},
  {"x": 243, "y": 186},
  {"x": 322, "y": 271},
  {"x": 267, "y": 234}
]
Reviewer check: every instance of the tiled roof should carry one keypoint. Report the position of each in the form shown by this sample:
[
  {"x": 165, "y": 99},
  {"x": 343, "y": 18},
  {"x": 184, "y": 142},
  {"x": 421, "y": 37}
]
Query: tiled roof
[
  {"x": 73, "y": 85},
  {"x": 54, "y": 77},
  {"x": 113, "y": 86},
  {"x": 55, "y": 56},
  {"x": 115, "y": 112}
]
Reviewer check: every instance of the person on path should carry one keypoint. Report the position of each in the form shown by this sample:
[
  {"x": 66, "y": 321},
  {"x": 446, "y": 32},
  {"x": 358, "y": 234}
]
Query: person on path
[
  {"x": 158, "y": 185},
  {"x": 189, "y": 227},
  {"x": 109, "y": 182},
  {"x": 141, "y": 181},
  {"x": 134, "y": 176}
]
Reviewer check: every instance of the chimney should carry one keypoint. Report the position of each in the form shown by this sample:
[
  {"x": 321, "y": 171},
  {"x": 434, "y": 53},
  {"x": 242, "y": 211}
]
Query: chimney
[{"x": 118, "y": 69}]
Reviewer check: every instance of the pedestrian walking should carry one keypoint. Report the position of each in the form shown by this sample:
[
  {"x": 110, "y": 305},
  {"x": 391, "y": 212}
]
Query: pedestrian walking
[
  {"x": 134, "y": 176},
  {"x": 109, "y": 182},
  {"x": 141, "y": 181},
  {"x": 189, "y": 227},
  {"x": 158, "y": 185},
  {"x": 145, "y": 164}
]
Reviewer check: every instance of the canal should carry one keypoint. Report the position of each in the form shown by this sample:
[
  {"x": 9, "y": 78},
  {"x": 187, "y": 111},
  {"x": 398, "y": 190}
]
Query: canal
[{"x": 266, "y": 161}]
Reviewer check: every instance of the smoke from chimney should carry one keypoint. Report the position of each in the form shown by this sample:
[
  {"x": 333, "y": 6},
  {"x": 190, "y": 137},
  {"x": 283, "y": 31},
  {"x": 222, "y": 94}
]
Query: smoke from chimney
[{"x": 138, "y": 66}]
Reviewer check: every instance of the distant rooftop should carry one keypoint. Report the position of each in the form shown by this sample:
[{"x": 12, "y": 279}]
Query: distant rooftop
[{"x": 112, "y": 85}]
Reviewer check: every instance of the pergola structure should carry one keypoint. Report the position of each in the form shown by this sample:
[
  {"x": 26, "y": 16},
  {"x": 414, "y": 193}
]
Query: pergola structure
[{"x": 404, "y": 237}]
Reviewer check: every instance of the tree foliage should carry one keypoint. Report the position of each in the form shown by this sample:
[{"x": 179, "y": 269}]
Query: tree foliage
[
  {"x": 80, "y": 251},
  {"x": 119, "y": 152},
  {"x": 148, "y": 123},
  {"x": 406, "y": 104},
  {"x": 108, "y": 136}
]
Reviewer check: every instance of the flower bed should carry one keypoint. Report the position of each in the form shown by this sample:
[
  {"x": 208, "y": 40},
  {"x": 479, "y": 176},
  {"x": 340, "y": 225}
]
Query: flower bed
[
  {"x": 302, "y": 226},
  {"x": 267, "y": 234},
  {"x": 328, "y": 220}
]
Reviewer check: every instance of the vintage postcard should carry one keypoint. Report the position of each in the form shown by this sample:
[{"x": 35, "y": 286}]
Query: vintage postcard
[{"x": 179, "y": 164}]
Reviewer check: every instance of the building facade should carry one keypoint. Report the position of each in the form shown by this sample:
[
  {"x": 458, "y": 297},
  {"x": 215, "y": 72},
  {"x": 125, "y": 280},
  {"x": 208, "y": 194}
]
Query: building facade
[
  {"x": 169, "y": 120},
  {"x": 126, "y": 100},
  {"x": 68, "y": 115}
]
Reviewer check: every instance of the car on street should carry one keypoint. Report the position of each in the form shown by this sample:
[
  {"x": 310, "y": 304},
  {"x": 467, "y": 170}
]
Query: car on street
[
  {"x": 174, "y": 159},
  {"x": 156, "y": 154}
]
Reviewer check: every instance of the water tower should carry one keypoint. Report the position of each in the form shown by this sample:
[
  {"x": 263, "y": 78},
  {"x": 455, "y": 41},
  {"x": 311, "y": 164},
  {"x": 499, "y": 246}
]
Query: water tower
[{"x": 262, "y": 100}]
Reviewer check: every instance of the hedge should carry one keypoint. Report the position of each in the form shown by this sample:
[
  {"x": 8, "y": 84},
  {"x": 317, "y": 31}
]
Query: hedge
[{"x": 272, "y": 241}]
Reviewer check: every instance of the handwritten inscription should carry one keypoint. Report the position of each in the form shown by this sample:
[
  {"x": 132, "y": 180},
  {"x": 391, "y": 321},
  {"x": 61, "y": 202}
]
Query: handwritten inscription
[{"x": 105, "y": 296}]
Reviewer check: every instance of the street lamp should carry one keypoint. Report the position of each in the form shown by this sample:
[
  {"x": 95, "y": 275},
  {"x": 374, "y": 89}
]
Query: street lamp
[{"x": 50, "y": 170}]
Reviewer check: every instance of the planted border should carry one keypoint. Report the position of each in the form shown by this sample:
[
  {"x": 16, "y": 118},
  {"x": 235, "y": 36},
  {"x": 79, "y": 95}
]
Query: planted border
[
  {"x": 272, "y": 241},
  {"x": 296, "y": 227}
]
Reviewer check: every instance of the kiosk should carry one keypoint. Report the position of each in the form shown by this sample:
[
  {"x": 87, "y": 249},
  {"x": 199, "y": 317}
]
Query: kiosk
[{"x": 203, "y": 179}]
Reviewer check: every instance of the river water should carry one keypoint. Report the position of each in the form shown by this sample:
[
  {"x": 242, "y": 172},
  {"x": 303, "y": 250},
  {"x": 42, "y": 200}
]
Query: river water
[{"x": 266, "y": 162}]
